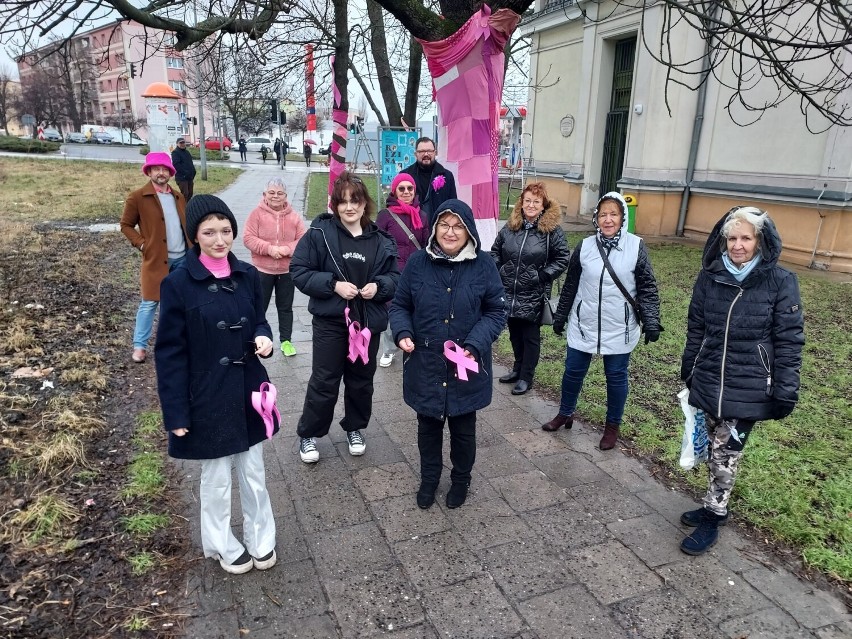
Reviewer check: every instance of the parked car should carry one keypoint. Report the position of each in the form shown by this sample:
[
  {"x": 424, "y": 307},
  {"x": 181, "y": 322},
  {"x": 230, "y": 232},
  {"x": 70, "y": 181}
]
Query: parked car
[
  {"x": 215, "y": 143},
  {"x": 99, "y": 137},
  {"x": 77, "y": 138},
  {"x": 52, "y": 135},
  {"x": 254, "y": 144}
]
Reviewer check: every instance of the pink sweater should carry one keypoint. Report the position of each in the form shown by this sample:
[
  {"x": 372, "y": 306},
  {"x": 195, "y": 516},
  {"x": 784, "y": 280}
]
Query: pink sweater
[{"x": 265, "y": 229}]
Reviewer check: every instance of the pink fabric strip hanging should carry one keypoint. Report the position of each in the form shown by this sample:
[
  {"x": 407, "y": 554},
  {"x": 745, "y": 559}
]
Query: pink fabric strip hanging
[{"x": 467, "y": 84}]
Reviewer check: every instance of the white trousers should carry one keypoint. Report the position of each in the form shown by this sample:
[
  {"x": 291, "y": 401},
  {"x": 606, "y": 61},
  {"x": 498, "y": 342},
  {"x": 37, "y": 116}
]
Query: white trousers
[{"x": 217, "y": 539}]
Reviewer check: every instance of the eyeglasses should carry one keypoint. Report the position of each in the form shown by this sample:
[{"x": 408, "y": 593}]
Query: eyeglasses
[
  {"x": 533, "y": 202},
  {"x": 425, "y": 151},
  {"x": 446, "y": 228},
  {"x": 405, "y": 189}
]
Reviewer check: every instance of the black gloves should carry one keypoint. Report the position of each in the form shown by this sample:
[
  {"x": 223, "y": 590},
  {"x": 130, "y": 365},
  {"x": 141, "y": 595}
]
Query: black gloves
[
  {"x": 559, "y": 328},
  {"x": 652, "y": 336}
]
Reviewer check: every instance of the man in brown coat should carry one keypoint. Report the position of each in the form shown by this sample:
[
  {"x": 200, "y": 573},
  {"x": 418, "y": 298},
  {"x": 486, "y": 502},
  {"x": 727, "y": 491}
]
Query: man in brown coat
[{"x": 155, "y": 223}]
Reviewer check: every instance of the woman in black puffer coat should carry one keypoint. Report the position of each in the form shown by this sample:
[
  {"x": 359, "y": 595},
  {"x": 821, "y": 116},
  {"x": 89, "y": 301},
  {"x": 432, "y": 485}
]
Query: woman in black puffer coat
[
  {"x": 530, "y": 252},
  {"x": 743, "y": 351}
]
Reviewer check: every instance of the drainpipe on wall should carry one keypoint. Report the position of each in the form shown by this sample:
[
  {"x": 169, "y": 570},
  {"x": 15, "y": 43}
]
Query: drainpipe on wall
[{"x": 696, "y": 138}]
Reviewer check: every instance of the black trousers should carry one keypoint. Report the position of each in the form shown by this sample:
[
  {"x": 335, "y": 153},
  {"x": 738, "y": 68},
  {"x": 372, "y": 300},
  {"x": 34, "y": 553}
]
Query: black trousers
[
  {"x": 526, "y": 346},
  {"x": 284, "y": 290},
  {"x": 185, "y": 187},
  {"x": 430, "y": 440},
  {"x": 330, "y": 364}
]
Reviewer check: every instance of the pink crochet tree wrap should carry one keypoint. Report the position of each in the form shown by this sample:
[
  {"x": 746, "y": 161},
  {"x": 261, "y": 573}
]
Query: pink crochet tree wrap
[{"x": 467, "y": 84}]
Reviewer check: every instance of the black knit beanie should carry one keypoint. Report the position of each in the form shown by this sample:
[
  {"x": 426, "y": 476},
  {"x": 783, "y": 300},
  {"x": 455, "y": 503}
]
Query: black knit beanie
[{"x": 199, "y": 207}]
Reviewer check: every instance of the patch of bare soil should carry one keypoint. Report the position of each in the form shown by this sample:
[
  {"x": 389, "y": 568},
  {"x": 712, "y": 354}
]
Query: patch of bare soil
[{"x": 67, "y": 304}]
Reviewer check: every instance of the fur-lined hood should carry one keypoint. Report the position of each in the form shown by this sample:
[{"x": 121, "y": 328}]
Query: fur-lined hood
[{"x": 548, "y": 221}]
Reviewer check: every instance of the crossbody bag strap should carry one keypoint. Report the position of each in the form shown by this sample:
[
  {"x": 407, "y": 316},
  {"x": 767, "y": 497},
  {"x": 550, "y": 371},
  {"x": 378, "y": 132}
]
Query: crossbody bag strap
[
  {"x": 405, "y": 229},
  {"x": 630, "y": 299}
]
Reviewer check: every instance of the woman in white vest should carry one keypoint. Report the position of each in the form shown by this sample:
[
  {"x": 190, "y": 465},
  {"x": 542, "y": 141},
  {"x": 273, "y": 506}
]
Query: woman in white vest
[{"x": 610, "y": 297}]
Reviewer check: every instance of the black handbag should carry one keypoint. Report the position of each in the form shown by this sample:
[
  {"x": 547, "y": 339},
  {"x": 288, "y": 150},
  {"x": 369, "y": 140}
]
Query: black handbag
[
  {"x": 630, "y": 299},
  {"x": 548, "y": 305}
]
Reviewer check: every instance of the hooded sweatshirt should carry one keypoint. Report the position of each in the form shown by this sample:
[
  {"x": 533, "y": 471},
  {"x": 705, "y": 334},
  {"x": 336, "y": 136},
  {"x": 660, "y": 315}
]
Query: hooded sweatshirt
[{"x": 266, "y": 228}]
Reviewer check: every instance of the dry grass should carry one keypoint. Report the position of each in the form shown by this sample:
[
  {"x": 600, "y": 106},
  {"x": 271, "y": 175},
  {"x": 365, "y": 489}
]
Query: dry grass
[
  {"x": 44, "y": 518},
  {"x": 17, "y": 338},
  {"x": 63, "y": 451},
  {"x": 73, "y": 422}
]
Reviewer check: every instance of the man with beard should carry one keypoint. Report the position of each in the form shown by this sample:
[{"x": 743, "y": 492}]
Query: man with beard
[
  {"x": 155, "y": 223},
  {"x": 434, "y": 183}
]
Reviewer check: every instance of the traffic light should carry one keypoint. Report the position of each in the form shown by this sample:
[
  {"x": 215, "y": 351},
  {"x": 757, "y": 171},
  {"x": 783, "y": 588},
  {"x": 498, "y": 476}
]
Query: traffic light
[
  {"x": 132, "y": 69},
  {"x": 283, "y": 117},
  {"x": 273, "y": 110}
]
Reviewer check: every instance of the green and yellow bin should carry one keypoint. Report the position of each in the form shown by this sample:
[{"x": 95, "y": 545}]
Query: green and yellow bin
[{"x": 631, "y": 212}]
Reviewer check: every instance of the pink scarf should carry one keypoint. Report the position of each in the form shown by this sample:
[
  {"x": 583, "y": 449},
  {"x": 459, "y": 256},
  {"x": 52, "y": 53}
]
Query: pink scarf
[{"x": 406, "y": 209}]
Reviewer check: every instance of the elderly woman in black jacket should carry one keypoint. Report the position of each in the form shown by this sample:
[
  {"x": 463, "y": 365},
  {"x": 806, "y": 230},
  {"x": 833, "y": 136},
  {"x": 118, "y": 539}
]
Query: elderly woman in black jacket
[
  {"x": 530, "y": 252},
  {"x": 743, "y": 352}
]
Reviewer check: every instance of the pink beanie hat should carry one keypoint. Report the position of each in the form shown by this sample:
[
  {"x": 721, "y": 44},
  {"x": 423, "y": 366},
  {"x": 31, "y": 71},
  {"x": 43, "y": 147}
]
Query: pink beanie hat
[
  {"x": 158, "y": 159},
  {"x": 399, "y": 179}
]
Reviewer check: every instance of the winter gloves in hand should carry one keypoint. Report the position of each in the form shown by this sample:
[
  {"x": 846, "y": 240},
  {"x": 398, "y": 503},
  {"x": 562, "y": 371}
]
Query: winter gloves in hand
[{"x": 652, "y": 336}]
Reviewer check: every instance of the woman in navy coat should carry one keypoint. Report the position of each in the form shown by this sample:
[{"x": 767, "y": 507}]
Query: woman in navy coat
[
  {"x": 211, "y": 332},
  {"x": 449, "y": 291}
]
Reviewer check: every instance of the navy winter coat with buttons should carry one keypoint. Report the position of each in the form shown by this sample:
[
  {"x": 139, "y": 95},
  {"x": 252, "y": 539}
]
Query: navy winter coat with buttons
[
  {"x": 438, "y": 299},
  {"x": 206, "y": 366},
  {"x": 743, "y": 353}
]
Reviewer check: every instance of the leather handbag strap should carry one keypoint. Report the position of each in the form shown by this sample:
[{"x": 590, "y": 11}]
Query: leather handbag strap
[
  {"x": 630, "y": 299},
  {"x": 405, "y": 230}
]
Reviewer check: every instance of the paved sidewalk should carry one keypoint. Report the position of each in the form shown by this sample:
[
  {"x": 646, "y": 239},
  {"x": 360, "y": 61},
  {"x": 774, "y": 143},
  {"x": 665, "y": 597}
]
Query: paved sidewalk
[{"x": 557, "y": 539}]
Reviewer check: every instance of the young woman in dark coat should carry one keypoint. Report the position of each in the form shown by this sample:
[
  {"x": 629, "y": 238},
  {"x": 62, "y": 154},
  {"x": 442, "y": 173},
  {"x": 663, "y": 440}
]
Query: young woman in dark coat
[
  {"x": 743, "y": 354},
  {"x": 345, "y": 264},
  {"x": 211, "y": 332},
  {"x": 530, "y": 252},
  {"x": 449, "y": 291}
]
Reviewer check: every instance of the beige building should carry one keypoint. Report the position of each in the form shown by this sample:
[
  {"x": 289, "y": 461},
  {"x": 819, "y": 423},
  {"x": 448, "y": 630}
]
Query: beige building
[{"x": 598, "y": 121}]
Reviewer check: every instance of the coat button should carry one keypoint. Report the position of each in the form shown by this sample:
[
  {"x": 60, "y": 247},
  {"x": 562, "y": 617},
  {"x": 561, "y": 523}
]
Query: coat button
[
  {"x": 449, "y": 289},
  {"x": 446, "y": 321},
  {"x": 444, "y": 384}
]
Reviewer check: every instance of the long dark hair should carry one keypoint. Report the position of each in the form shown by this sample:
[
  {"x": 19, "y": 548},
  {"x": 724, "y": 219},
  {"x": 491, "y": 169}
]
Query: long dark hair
[{"x": 357, "y": 193}]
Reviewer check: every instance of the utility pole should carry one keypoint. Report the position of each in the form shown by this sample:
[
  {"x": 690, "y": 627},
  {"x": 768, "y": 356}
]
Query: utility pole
[{"x": 202, "y": 147}]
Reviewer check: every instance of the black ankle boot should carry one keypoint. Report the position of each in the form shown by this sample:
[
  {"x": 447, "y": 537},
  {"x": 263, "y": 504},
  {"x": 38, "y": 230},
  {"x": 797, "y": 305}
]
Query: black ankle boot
[
  {"x": 426, "y": 495},
  {"x": 457, "y": 495}
]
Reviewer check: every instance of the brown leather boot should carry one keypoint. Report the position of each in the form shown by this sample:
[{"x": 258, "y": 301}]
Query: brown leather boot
[
  {"x": 609, "y": 436},
  {"x": 558, "y": 422}
]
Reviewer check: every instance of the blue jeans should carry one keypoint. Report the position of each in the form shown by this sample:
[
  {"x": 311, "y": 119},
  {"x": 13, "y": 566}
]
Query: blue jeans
[
  {"x": 145, "y": 314},
  {"x": 576, "y": 367}
]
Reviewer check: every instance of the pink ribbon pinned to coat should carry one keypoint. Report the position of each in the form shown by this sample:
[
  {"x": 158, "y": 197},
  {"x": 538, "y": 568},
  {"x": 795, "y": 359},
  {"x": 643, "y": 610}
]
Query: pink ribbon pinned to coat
[
  {"x": 264, "y": 403},
  {"x": 359, "y": 340},
  {"x": 455, "y": 354}
]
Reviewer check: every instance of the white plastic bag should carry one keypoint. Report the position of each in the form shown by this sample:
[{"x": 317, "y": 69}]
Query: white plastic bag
[{"x": 693, "y": 447}]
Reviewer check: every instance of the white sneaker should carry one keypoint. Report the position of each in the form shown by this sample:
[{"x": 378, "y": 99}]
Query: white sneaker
[
  {"x": 266, "y": 562},
  {"x": 308, "y": 450},
  {"x": 386, "y": 360},
  {"x": 356, "y": 443}
]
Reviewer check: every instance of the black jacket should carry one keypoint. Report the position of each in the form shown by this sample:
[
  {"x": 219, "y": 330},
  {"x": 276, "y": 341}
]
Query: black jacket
[
  {"x": 432, "y": 199},
  {"x": 184, "y": 168},
  {"x": 529, "y": 260},
  {"x": 317, "y": 265},
  {"x": 743, "y": 353}
]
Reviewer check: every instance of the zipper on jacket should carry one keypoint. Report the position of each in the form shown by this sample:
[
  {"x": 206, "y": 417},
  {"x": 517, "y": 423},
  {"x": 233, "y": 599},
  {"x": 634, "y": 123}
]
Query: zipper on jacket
[
  {"x": 518, "y": 270},
  {"x": 767, "y": 365},
  {"x": 626, "y": 324},
  {"x": 600, "y": 309},
  {"x": 697, "y": 355},
  {"x": 725, "y": 349}
]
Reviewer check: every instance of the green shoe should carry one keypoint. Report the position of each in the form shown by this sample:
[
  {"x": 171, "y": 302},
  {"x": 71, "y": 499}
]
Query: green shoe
[{"x": 288, "y": 349}]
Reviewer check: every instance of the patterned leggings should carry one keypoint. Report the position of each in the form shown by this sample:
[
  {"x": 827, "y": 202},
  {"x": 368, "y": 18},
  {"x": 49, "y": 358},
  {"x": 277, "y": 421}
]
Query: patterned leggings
[{"x": 727, "y": 440}]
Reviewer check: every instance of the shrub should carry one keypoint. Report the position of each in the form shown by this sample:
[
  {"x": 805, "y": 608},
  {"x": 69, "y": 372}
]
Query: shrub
[
  {"x": 194, "y": 152},
  {"x": 21, "y": 145}
]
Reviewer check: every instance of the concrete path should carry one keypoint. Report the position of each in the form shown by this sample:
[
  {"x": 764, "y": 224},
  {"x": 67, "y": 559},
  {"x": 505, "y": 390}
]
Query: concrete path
[{"x": 557, "y": 540}]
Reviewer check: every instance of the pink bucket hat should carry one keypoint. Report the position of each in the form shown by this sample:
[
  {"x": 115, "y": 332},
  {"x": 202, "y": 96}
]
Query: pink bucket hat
[{"x": 158, "y": 159}]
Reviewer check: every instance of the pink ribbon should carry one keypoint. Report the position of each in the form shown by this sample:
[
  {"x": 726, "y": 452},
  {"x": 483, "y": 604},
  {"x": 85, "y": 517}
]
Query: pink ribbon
[
  {"x": 455, "y": 354},
  {"x": 264, "y": 403},
  {"x": 359, "y": 340}
]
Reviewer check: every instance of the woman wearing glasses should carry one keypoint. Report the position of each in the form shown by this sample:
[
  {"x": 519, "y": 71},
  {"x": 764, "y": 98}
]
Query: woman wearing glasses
[
  {"x": 211, "y": 332},
  {"x": 407, "y": 224},
  {"x": 448, "y": 310},
  {"x": 530, "y": 252},
  {"x": 273, "y": 230},
  {"x": 347, "y": 266},
  {"x": 610, "y": 288}
]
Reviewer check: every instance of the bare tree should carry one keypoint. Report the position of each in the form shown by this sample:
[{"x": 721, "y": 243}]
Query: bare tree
[{"x": 6, "y": 96}]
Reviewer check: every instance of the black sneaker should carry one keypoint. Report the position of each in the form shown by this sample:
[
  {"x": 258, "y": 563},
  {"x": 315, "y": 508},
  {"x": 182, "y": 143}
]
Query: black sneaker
[
  {"x": 242, "y": 565},
  {"x": 308, "y": 450},
  {"x": 702, "y": 539},
  {"x": 695, "y": 518},
  {"x": 356, "y": 443}
]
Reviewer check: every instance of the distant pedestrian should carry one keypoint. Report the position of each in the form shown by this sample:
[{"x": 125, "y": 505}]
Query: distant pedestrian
[
  {"x": 273, "y": 229},
  {"x": 435, "y": 184},
  {"x": 277, "y": 148},
  {"x": 154, "y": 221},
  {"x": 530, "y": 252},
  {"x": 184, "y": 168},
  {"x": 406, "y": 223},
  {"x": 307, "y": 151},
  {"x": 447, "y": 312},
  {"x": 347, "y": 267},
  {"x": 609, "y": 308},
  {"x": 241, "y": 144},
  {"x": 211, "y": 333},
  {"x": 743, "y": 356}
]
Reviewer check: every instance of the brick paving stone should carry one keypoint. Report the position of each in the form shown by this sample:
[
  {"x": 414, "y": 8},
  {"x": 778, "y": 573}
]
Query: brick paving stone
[
  {"x": 388, "y": 480},
  {"x": 506, "y": 419},
  {"x": 770, "y": 623},
  {"x": 534, "y": 443},
  {"x": 567, "y": 526},
  {"x": 472, "y": 609},
  {"x": 607, "y": 501},
  {"x": 841, "y": 630},
  {"x": 438, "y": 559},
  {"x": 381, "y": 450},
  {"x": 400, "y": 518},
  {"x": 668, "y": 503},
  {"x": 651, "y": 538},
  {"x": 628, "y": 472},
  {"x": 497, "y": 461},
  {"x": 664, "y": 614},
  {"x": 570, "y": 613},
  {"x": 293, "y": 588},
  {"x": 528, "y": 491},
  {"x": 289, "y": 542},
  {"x": 611, "y": 572},
  {"x": 488, "y": 522},
  {"x": 526, "y": 568},
  {"x": 331, "y": 509},
  {"x": 569, "y": 469},
  {"x": 356, "y": 550},
  {"x": 284, "y": 626}
]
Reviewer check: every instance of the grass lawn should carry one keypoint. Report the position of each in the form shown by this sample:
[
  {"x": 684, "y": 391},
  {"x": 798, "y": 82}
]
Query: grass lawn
[
  {"x": 796, "y": 478},
  {"x": 42, "y": 190}
]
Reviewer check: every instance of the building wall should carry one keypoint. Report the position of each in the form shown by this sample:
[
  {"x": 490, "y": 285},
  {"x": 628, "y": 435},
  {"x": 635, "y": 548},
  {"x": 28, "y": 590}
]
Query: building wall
[{"x": 801, "y": 178}]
